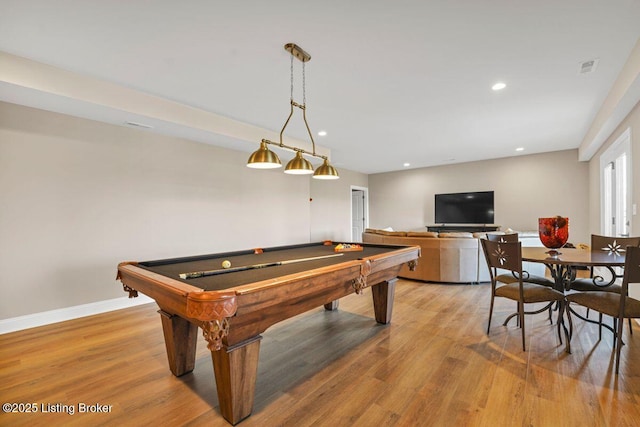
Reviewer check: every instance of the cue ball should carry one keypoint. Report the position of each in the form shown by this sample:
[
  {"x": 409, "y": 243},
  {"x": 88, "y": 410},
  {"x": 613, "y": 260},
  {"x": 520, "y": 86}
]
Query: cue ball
[{"x": 226, "y": 263}]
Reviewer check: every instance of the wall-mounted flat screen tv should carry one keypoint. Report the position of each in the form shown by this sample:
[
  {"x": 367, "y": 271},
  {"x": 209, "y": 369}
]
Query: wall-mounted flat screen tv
[{"x": 465, "y": 208}]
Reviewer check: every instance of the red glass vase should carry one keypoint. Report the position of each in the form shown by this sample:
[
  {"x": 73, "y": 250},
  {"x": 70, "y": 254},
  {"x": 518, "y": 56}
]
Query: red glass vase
[{"x": 554, "y": 232}]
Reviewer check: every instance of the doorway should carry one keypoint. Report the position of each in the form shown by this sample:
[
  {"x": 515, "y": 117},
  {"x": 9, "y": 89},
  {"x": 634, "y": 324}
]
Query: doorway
[
  {"x": 615, "y": 185},
  {"x": 359, "y": 212}
]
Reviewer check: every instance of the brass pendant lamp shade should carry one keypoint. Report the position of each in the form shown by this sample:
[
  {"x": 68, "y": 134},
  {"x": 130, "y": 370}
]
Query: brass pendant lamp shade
[
  {"x": 264, "y": 158},
  {"x": 299, "y": 165},
  {"x": 326, "y": 171}
]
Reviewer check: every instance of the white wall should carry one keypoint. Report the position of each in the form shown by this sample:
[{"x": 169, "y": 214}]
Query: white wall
[
  {"x": 632, "y": 121},
  {"x": 80, "y": 196},
  {"x": 526, "y": 187}
]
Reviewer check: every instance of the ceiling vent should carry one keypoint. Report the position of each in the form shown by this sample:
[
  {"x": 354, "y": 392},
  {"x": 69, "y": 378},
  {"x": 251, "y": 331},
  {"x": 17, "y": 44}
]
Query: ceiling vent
[
  {"x": 588, "y": 67},
  {"x": 138, "y": 125}
]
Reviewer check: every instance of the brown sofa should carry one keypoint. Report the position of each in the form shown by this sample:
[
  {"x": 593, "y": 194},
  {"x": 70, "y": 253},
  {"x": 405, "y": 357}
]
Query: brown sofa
[{"x": 455, "y": 257}]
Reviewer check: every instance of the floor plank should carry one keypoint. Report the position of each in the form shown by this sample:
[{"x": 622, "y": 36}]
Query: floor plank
[{"x": 434, "y": 365}]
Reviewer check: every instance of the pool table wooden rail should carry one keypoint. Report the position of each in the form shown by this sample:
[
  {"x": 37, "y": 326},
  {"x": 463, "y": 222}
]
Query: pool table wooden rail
[
  {"x": 176, "y": 296},
  {"x": 304, "y": 291},
  {"x": 232, "y": 320}
]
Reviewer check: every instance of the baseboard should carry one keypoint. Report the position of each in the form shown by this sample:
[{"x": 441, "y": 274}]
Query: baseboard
[{"x": 60, "y": 315}]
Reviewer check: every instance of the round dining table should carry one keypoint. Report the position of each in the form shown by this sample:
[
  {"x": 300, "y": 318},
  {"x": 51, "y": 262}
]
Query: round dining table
[{"x": 564, "y": 265}]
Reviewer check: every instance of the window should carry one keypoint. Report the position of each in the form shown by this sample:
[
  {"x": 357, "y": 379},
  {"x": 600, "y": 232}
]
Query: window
[{"x": 615, "y": 187}]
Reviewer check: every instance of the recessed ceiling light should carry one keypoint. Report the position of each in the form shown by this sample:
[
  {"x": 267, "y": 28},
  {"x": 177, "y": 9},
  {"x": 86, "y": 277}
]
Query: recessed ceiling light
[
  {"x": 406, "y": 165},
  {"x": 322, "y": 133},
  {"x": 520, "y": 149},
  {"x": 498, "y": 86}
]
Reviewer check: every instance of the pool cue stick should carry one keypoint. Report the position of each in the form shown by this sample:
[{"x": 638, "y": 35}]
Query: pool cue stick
[{"x": 197, "y": 274}]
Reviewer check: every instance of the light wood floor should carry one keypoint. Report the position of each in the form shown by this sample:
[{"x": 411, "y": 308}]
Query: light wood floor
[{"x": 433, "y": 366}]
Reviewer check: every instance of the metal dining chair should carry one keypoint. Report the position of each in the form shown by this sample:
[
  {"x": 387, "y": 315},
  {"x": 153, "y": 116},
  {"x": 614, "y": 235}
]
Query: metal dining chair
[
  {"x": 617, "y": 305},
  {"x": 508, "y": 256},
  {"x": 506, "y": 278},
  {"x": 606, "y": 244},
  {"x": 595, "y": 282},
  {"x": 511, "y": 277}
]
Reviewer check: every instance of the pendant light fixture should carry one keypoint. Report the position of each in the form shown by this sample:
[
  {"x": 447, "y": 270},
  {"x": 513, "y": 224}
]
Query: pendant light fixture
[
  {"x": 264, "y": 158},
  {"x": 299, "y": 165},
  {"x": 326, "y": 171}
]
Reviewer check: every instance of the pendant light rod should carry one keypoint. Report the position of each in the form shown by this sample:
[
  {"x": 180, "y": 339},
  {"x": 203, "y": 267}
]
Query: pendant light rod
[
  {"x": 265, "y": 158},
  {"x": 296, "y": 149},
  {"x": 299, "y": 53},
  {"x": 304, "y": 117}
]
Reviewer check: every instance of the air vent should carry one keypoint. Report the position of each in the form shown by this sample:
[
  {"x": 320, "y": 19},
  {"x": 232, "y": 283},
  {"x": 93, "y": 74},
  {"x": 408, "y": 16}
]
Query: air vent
[
  {"x": 138, "y": 125},
  {"x": 588, "y": 67}
]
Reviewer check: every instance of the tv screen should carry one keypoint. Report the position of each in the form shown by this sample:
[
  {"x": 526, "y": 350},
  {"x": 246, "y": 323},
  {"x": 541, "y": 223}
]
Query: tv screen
[{"x": 465, "y": 208}]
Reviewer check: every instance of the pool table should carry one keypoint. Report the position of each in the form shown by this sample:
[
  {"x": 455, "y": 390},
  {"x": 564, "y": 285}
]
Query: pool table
[{"x": 261, "y": 287}]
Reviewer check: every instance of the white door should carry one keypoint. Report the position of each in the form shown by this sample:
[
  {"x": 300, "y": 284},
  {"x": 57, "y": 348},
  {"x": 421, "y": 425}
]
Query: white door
[
  {"x": 616, "y": 188},
  {"x": 615, "y": 192},
  {"x": 358, "y": 214}
]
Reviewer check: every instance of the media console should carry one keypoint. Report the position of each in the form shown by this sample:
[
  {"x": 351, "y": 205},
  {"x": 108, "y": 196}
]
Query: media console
[{"x": 471, "y": 228}]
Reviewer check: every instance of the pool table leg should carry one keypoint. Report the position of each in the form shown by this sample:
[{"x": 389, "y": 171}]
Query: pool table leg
[
  {"x": 236, "y": 369},
  {"x": 331, "y": 306},
  {"x": 383, "y": 300},
  {"x": 180, "y": 338}
]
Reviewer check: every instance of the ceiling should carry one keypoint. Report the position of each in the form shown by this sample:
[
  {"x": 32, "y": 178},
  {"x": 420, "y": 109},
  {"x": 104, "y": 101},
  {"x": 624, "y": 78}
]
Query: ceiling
[{"x": 390, "y": 82}]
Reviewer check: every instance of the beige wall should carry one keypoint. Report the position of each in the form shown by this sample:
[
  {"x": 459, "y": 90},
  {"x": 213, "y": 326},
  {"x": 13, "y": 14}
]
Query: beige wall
[
  {"x": 526, "y": 187},
  {"x": 80, "y": 196},
  {"x": 331, "y": 199}
]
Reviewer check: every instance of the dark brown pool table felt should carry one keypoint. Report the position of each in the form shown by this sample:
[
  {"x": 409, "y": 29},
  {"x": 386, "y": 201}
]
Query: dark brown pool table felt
[
  {"x": 234, "y": 311},
  {"x": 225, "y": 281}
]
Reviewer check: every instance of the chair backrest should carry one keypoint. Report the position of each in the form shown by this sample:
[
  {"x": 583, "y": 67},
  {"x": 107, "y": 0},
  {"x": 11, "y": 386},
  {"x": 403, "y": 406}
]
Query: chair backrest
[
  {"x": 511, "y": 237},
  {"x": 503, "y": 255},
  {"x": 612, "y": 244},
  {"x": 631, "y": 267}
]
